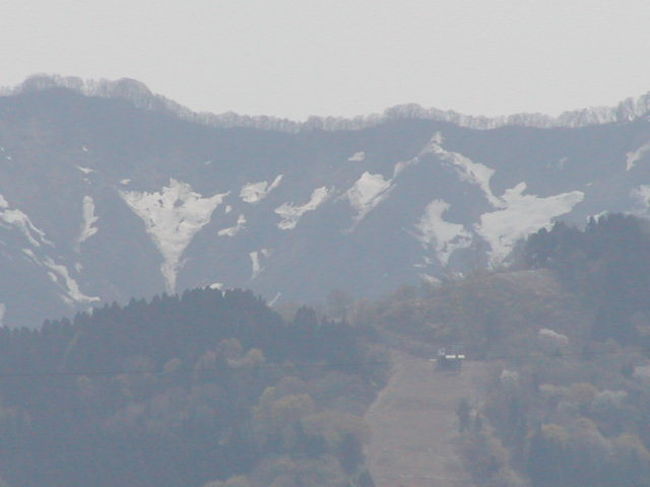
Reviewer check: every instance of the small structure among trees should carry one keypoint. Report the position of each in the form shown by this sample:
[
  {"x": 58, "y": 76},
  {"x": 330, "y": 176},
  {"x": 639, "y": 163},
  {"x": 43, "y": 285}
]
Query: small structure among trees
[{"x": 450, "y": 358}]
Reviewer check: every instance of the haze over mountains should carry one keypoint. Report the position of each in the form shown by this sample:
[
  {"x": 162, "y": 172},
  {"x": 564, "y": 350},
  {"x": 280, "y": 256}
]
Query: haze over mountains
[{"x": 109, "y": 192}]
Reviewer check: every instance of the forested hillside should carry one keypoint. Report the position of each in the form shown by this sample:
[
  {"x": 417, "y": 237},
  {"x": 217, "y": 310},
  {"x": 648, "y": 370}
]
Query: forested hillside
[
  {"x": 608, "y": 265},
  {"x": 206, "y": 388},
  {"x": 564, "y": 335},
  {"x": 573, "y": 410},
  {"x": 216, "y": 389}
]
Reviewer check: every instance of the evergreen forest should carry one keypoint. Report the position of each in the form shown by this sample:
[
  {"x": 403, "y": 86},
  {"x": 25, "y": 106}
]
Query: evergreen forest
[{"x": 207, "y": 388}]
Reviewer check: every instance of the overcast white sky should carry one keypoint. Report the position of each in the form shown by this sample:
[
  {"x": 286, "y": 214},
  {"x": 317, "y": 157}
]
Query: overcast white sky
[{"x": 294, "y": 58}]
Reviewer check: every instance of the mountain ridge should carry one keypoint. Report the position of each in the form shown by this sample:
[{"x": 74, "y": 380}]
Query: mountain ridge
[
  {"x": 137, "y": 93},
  {"x": 103, "y": 201}
]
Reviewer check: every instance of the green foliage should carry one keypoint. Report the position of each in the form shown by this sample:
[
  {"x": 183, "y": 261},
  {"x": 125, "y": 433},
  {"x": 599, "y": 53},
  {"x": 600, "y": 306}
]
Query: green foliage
[
  {"x": 608, "y": 264},
  {"x": 201, "y": 389},
  {"x": 487, "y": 460},
  {"x": 566, "y": 335}
]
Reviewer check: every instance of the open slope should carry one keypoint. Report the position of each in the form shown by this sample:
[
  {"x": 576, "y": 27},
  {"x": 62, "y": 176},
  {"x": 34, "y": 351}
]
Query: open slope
[{"x": 413, "y": 424}]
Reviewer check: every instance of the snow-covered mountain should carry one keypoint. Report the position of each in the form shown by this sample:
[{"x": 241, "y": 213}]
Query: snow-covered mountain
[{"x": 109, "y": 192}]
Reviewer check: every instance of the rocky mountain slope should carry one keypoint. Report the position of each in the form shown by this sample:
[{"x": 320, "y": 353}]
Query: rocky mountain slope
[{"x": 114, "y": 193}]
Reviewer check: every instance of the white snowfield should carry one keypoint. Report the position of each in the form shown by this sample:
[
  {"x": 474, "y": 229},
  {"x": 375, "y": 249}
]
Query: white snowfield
[
  {"x": 61, "y": 276},
  {"x": 521, "y": 215},
  {"x": 468, "y": 170},
  {"x": 19, "y": 220},
  {"x": 429, "y": 148},
  {"x": 357, "y": 157},
  {"x": 85, "y": 170},
  {"x": 256, "y": 261},
  {"x": 88, "y": 228},
  {"x": 366, "y": 193},
  {"x": 172, "y": 218},
  {"x": 642, "y": 195},
  {"x": 234, "y": 230},
  {"x": 256, "y": 192},
  {"x": 443, "y": 236},
  {"x": 633, "y": 157},
  {"x": 516, "y": 215},
  {"x": 552, "y": 337},
  {"x": 3, "y": 311},
  {"x": 291, "y": 214}
]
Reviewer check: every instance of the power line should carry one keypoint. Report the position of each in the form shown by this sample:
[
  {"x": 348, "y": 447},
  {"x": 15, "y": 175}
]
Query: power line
[
  {"x": 288, "y": 365},
  {"x": 107, "y": 373}
]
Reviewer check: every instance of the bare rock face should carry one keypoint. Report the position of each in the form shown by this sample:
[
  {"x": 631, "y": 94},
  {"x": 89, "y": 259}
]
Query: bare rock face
[{"x": 108, "y": 191}]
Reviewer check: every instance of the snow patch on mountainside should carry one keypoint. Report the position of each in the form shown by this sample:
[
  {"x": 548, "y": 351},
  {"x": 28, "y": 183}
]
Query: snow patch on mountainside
[
  {"x": 85, "y": 170},
  {"x": 275, "y": 299},
  {"x": 642, "y": 195},
  {"x": 88, "y": 228},
  {"x": 31, "y": 256},
  {"x": 517, "y": 215},
  {"x": 256, "y": 192},
  {"x": 3, "y": 311},
  {"x": 521, "y": 215},
  {"x": 291, "y": 213},
  {"x": 15, "y": 218},
  {"x": 232, "y": 231},
  {"x": 366, "y": 193},
  {"x": 468, "y": 170},
  {"x": 631, "y": 158},
  {"x": 443, "y": 236},
  {"x": 371, "y": 189},
  {"x": 429, "y": 148},
  {"x": 61, "y": 276},
  {"x": 357, "y": 157},
  {"x": 172, "y": 217},
  {"x": 402, "y": 165},
  {"x": 256, "y": 261}
]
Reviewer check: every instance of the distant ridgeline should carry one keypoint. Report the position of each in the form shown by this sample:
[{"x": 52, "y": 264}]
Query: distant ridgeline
[
  {"x": 140, "y": 96},
  {"x": 185, "y": 391},
  {"x": 608, "y": 263},
  {"x": 108, "y": 191}
]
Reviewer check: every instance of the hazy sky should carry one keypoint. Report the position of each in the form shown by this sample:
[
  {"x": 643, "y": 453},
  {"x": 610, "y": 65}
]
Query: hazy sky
[{"x": 294, "y": 58}]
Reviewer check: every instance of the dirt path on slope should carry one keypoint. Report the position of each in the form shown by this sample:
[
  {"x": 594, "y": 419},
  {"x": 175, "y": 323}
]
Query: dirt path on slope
[{"x": 413, "y": 424}]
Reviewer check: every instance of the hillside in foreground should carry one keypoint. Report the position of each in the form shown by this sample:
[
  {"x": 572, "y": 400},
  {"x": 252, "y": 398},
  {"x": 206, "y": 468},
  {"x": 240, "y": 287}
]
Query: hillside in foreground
[
  {"x": 564, "y": 345},
  {"x": 216, "y": 389},
  {"x": 194, "y": 390}
]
